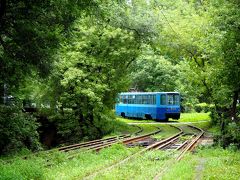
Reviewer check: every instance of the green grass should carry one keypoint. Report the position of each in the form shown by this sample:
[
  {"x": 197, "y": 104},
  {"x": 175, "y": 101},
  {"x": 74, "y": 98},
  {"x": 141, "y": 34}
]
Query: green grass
[
  {"x": 87, "y": 162},
  {"x": 166, "y": 131},
  {"x": 148, "y": 128},
  {"x": 126, "y": 120},
  {"x": 185, "y": 117},
  {"x": 58, "y": 166},
  {"x": 182, "y": 170},
  {"x": 194, "y": 117},
  {"x": 221, "y": 164},
  {"x": 216, "y": 163},
  {"x": 143, "y": 166}
]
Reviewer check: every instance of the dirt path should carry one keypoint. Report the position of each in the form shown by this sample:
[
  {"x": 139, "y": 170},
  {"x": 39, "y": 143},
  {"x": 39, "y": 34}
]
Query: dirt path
[{"x": 200, "y": 169}]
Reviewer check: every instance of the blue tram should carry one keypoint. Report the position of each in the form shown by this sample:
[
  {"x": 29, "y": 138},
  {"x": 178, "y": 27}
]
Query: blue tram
[{"x": 149, "y": 105}]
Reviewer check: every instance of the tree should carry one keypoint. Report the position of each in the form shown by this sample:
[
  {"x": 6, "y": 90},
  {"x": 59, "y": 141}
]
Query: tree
[
  {"x": 91, "y": 69},
  {"x": 30, "y": 33},
  {"x": 152, "y": 72}
]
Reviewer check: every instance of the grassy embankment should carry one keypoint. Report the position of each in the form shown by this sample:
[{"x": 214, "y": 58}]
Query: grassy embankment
[
  {"x": 58, "y": 166},
  {"x": 185, "y": 117},
  {"x": 208, "y": 163},
  {"x": 201, "y": 120}
]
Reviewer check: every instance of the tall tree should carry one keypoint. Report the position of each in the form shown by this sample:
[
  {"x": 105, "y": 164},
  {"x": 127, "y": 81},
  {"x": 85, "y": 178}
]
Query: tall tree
[{"x": 91, "y": 69}]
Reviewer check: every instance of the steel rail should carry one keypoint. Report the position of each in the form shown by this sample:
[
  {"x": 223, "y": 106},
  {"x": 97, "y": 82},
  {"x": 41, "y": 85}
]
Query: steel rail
[
  {"x": 189, "y": 147},
  {"x": 91, "y": 142},
  {"x": 99, "y": 142},
  {"x": 127, "y": 141},
  {"x": 135, "y": 154},
  {"x": 141, "y": 137}
]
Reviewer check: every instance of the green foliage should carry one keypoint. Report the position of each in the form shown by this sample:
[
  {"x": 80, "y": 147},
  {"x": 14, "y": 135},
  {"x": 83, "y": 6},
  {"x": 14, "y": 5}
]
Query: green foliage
[
  {"x": 17, "y": 130},
  {"x": 187, "y": 107},
  {"x": 90, "y": 72},
  {"x": 85, "y": 51},
  {"x": 229, "y": 135},
  {"x": 151, "y": 72},
  {"x": 203, "y": 107}
]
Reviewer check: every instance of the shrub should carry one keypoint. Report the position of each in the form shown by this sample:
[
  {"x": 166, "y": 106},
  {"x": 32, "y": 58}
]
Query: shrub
[
  {"x": 203, "y": 107},
  {"x": 187, "y": 107},
  {"x": 17, "y": 130},
  {"x": 70, "y": 129},
  {"x": 215, "y": 118},
  {"x": 228, "y": 136}
]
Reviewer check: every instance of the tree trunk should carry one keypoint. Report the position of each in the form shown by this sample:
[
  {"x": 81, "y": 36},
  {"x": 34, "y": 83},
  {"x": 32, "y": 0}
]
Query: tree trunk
[
  {"x": 234, "y": 105},
  {"x": 3, "y": 4},
  {"x": 81, "y": 122}
]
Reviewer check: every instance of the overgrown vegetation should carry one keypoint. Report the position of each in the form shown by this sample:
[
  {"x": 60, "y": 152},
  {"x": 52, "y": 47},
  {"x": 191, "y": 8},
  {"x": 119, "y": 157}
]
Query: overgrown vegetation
[
  {"x": 17, "y": 130},
  {"x": 58, "y": 166},
  {"x": 74, "y": 57},
  {"x": 207, "y": 163}
]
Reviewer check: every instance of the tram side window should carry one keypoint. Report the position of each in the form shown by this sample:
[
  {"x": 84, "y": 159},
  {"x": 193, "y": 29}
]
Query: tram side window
[
  {"x": 149, "y": 100},
  {"x": 129, "y": 99},
  {"x": 144, "y": 99},
  {"x": 154, "y": 99},
  {"x": 134, "y": 99},
  {"x": 163, "y": 99},
  {"x": 120, "y": 99},
  {"x": 138, "y": 99},
  {"x": 124, "y": 99}
]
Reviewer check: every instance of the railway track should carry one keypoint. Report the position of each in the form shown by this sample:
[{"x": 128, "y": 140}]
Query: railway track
[
  {"x": 180, "y": 141},
  {"x": 95, "y": 144},
  {"x": 103, "y": 143},
  {"x": 188, "y": 145},
  {"x": 174, "y": 143}
]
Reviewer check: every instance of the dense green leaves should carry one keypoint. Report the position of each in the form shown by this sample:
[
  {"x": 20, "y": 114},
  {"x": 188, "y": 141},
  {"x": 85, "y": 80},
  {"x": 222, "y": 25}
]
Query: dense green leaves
[
  {"x": 17, "y": 130},
  {"x": 91, "y": 69},
  {"x": 76, "y": 57},
  {"x": 152, "y": 72}
]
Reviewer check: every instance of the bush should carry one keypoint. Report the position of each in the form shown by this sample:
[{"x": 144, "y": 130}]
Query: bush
[
  {"x": 215, "y": 118},
  {"x": 187, "y": 108},
  {"x": 71, "y": 130},
  {"x": 203, "y": 107},
  {"x": 229, "y": 136},
  {"x": 17, "y": 130}
]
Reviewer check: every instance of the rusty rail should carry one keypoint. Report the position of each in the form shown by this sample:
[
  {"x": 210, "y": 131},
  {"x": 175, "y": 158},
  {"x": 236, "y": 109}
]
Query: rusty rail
[
  {"x": 191, "y": 145},
  {"x": 153, "y": 146},
  {"x": 188, "y": 147}
]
